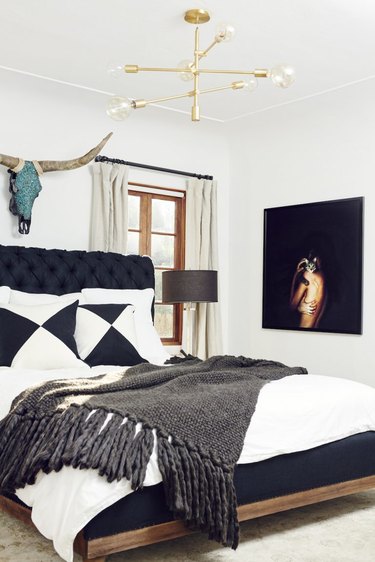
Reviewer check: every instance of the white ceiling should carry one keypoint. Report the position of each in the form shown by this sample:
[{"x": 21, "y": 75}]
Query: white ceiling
[{"x": 331, "y": 43}]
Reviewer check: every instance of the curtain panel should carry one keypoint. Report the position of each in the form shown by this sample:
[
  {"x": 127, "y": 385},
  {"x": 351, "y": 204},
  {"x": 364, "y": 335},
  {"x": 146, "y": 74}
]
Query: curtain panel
[
  {"x": 202, "y": 253},
  {"x": 109, "y": 217}
]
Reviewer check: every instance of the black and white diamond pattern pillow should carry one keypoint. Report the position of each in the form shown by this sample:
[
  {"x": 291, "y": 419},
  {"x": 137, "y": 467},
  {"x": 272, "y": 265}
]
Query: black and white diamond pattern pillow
[
  {"x": 38, "y": 337},
  {"x": 105, "y": 335}
]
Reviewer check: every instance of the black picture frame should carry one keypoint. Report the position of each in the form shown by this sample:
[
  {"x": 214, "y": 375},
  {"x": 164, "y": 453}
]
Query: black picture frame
[{"x": 295, "y": 295}]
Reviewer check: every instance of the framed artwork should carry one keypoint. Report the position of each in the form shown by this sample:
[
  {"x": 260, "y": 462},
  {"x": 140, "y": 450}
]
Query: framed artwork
[{"x": 312, "y": 267}]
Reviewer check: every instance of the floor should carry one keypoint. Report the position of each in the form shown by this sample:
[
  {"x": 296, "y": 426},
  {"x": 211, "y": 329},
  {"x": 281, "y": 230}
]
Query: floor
[{"x": 341, "y": 530}]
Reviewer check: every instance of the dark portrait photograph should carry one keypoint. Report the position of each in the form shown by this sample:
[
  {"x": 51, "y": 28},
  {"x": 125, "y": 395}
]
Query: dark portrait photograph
[{"x": 312, "y": 266}]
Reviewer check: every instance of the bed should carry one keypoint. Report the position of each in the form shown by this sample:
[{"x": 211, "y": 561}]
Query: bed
[{"x": 309, "y": 470}]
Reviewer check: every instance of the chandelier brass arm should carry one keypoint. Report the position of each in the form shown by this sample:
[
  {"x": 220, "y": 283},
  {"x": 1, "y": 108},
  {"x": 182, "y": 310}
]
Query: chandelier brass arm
[
  {"x": 257, "y": 72},
  {"x": 195, "y": 116},
  {"x": 137, "y": 104},
  {"x": 119, "y": 107},
  {"x": 134, "y": 68},
  {"x": 206, "y": 51}
]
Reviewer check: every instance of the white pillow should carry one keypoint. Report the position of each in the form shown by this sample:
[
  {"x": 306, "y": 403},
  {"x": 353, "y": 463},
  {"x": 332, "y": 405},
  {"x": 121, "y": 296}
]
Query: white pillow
[
  {"x": 4, "y": 294},
  {"x": 20, "y": 297},
  {"x": 149, "y": 343},
  {"x": 39, "y": 337}
]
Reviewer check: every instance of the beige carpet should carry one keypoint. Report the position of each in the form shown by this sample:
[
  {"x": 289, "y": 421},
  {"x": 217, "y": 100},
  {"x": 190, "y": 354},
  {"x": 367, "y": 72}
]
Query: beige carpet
[{"x": 341, "y": 530}]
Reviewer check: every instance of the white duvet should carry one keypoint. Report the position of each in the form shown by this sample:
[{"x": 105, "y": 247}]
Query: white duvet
[{"x": 293, "y": 414}]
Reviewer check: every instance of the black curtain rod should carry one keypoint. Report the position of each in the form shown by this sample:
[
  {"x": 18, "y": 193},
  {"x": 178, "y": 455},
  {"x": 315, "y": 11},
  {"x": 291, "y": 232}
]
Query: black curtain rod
[{"x": 148, "y": 167}]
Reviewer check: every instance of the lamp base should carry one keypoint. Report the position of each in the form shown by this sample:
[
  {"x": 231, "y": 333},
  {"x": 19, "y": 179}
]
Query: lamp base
[{"x": 197, "y": 16}]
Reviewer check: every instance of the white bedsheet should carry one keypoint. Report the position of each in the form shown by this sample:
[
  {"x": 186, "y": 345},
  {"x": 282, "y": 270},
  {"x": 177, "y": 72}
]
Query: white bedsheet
[{"x": 293, "y": 414}]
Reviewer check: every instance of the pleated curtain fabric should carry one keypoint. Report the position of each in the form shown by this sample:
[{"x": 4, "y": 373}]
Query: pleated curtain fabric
[
  {"x": 202, "y": 253},
  {"x": 109, "y": 217}
]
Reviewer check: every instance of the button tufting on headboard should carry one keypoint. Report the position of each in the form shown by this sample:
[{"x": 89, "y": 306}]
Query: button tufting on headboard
[{"x": 36, "y": 270}]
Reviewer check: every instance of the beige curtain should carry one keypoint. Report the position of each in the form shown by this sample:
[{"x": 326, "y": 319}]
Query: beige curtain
[
  {"x": 109, "y": 217},
  {"x": 202, "y": 253}
]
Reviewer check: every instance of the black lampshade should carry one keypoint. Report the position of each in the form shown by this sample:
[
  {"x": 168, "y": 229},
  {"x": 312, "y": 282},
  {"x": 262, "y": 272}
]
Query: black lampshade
[{"x": 189, "y": 285}]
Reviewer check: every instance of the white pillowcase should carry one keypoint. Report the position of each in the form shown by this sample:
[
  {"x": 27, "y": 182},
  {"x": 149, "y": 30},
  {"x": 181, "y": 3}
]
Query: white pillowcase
[
  {"x": 4, "y": 294},
  {"x": 149, "y": 343},
  {"x": 106, "y": 335},
  {"x": 20, "y": 297},
  {"x": 39, "y": 337}
]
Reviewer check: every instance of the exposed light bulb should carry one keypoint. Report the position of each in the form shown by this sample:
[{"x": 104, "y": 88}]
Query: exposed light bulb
[
  {"x": 224, "y": 32},
  {"x": 119, "y": 108},
  {"x": 251, "y": 84},
  {"x": 282, "y": 75},
  {"x": 188, "y": 75},
  {"x": 115, "y": 69}
]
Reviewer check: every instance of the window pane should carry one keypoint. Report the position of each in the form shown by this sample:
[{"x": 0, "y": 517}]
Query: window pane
[
  {"x": 158, "y": 285},
  {"x": 133, "y": 243},
  {"x": 162, "y": 250},
  {"x": 134, "y": 204},
  {"x": 163, "y": 215},
  {"x": 164, "y": 320}
]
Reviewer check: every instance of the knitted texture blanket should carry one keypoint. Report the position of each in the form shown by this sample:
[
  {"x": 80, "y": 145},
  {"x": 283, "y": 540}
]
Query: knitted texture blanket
[{"x": 200, "y": 410}]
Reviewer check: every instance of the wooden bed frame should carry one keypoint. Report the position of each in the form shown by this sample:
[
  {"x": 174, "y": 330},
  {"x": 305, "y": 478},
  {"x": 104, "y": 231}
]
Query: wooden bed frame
[{"x": 97, "y": 550}]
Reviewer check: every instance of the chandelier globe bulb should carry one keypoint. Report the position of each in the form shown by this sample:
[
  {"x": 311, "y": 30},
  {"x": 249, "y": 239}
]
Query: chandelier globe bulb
[
  {"x": 282, "y": 75},
  {"x": 188, "y": 75},
  {"x": 251, "y": 84},
  {"x": 224, "y": 33},
  {"x": 119, "y": 108},
  {"x": 115, "y": 69}
]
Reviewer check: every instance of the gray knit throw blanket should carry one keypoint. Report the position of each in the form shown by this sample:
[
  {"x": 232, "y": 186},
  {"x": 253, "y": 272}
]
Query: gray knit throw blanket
[{"x": 200, "y": 410}]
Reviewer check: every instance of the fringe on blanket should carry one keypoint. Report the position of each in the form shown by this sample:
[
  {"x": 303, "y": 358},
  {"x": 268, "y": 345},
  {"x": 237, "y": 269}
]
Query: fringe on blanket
[{"x": 198, "y": 487}]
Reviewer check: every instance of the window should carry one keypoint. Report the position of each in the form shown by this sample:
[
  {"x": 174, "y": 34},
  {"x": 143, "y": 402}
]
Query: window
[{"x": 157, "y": 229}]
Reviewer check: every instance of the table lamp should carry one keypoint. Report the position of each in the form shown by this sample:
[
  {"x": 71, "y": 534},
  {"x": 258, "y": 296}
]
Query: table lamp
[{"x": 189, "y": 286}]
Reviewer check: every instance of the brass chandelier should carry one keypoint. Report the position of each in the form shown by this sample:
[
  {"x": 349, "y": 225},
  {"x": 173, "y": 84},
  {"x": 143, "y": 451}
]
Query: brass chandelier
[{"x": 120, "y": 107}]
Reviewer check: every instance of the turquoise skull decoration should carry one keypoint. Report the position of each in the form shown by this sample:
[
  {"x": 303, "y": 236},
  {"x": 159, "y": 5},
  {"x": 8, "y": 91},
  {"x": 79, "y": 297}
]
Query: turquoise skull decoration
[{"x": 25, "y": 185}]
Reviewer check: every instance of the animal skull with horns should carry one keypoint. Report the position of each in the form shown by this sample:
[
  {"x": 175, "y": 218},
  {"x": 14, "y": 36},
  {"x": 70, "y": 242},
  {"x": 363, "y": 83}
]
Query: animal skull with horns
[{"x": 24, "y": 180}]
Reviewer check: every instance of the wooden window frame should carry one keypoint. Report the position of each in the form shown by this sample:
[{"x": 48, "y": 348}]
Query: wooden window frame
[{"x": 145, "y": 236}]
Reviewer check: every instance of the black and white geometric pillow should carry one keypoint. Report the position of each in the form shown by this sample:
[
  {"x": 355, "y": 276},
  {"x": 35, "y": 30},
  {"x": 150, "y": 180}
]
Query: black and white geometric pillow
[
  {"x": 39, "y": 337},
  {"x": 106, "y": 335}
]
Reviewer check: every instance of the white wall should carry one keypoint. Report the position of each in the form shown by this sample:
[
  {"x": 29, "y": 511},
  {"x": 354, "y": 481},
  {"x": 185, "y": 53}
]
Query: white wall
[
  {"x": 318, "y": 149},
  {"x": 45, "y": 120}
]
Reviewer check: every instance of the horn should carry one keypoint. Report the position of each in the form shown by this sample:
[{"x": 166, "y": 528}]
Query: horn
[
  {"x": 8, "y": 161},
  {"x": 53, "y": 165}
]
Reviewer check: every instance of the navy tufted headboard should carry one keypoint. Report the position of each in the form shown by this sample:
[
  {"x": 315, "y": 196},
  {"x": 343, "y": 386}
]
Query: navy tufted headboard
[{"x": 36, "y": 270}]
